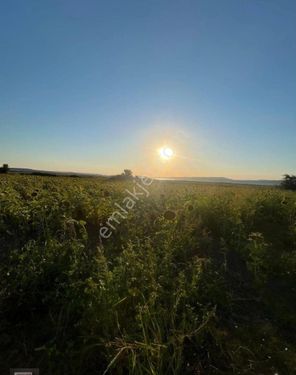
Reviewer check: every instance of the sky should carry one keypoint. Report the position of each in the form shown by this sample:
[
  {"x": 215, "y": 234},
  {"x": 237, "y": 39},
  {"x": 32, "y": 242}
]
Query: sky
[{"x": 99, "y": 86}]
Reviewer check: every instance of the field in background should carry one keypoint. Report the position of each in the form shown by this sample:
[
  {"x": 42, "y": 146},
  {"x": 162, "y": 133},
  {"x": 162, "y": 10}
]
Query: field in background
[{"x": 199, "y": 279}]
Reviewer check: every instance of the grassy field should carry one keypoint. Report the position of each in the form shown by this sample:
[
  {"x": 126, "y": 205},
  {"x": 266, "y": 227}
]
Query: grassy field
[{"x": 198, "y": 279}]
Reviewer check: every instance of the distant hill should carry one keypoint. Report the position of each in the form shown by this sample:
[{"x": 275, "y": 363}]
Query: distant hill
[
  {"x": 52, "y": 173},
  {"x": 224, "y": 180}
]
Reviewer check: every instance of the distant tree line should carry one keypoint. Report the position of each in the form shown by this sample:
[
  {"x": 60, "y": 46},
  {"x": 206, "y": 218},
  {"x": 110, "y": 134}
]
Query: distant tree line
[
  {"x": 4, "y": 169},
  {"x": 289, "y": 182}
]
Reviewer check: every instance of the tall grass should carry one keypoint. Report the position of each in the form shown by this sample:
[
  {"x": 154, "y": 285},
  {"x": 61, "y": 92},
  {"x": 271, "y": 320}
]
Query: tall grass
[{"x": 199, "y": 279}]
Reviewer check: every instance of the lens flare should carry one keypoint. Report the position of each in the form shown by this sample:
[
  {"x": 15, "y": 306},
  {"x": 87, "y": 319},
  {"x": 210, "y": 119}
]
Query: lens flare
[{"x": 166, "y": 153}]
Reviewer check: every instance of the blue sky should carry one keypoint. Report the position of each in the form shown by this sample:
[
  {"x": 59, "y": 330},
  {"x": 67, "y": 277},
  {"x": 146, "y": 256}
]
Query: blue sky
[{"x": 100, "y": 85}]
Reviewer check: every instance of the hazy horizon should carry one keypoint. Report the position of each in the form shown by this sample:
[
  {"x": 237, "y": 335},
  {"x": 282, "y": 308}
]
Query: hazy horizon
[
  {"x": 97, "y": 87},
  {"x": 135, "y": 174}
]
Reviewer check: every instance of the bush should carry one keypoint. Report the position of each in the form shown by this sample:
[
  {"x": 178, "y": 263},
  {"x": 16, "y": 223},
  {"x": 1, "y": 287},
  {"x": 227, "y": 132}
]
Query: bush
[{"x": 289, "y": 182}]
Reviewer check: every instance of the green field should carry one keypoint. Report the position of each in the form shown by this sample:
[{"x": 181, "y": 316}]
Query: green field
[{"x": 197, "y": 279}]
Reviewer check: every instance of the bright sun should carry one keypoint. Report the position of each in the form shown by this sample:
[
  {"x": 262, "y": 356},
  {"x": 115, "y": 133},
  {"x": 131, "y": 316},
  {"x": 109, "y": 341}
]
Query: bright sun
[{"x": 166, "y": 153}]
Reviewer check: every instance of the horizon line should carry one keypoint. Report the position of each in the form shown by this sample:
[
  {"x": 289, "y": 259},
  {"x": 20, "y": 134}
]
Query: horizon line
[{"x": 155, "y": 177}]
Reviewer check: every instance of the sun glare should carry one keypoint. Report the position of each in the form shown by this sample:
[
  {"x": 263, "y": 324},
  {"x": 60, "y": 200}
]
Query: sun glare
[{"x": 166, "y": 153}]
